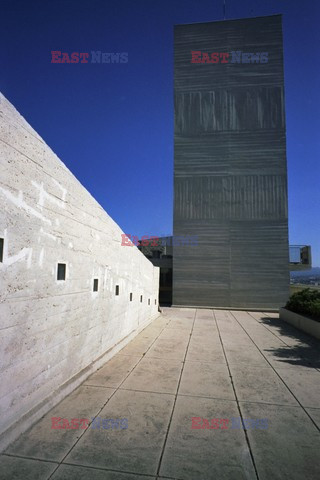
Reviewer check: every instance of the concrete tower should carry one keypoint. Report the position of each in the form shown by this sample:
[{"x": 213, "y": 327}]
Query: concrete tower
[{"x": 230, "y": 173}]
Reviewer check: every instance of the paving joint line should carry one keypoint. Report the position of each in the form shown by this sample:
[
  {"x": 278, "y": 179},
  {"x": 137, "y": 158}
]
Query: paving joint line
[
  {"x": 266, "y": 327},
  {"x": 111, "y": 396},
  {"x": 237, "y": 401},
  {"x": 79, "y": 465},
  {"x": 16, "y": 455},
  {"x": 270, "y": 331},
  {"x": 300, "y": 404},
  {"x": 175, "y": 399},
  {"x": 102, "y": 469},
  {"x": 313, "y": 340}
]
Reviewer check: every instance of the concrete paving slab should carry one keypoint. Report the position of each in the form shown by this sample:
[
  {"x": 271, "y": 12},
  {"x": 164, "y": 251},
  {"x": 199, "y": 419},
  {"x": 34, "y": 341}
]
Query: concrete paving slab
[
  {"x": 155, "y": 375},
  {"x": 171, "y": 312},
  {"x": 136, "y": 449},
  {"x": 176, "y": 333},
  {"x": 249, "y": 324},
  {"x": 207, "y": 352},
  {"x": 168, "y": 348},
  {"x": 206, "y": 380},
  {"x": 205, "y": 322},
  {"x": 288, "y": 448},
  {"x": 224, "y": 315},
  {"x": 236, "y": 340},
  {"x": 265, "y": 340},
  {"x": 305, "y": 385},
  {"x": 182, "y": 324},
  {"x": 255, "y": 384},
  {"x": 298, "y": 368},
  {"x": 205, "y": 318},
  {"x": 113, "y": 372},
  {"x": 138, "y": 346},
  {"x": 160, "y": 321},
  {"x": 229, "y": 325},
  {"x": 285, "y": 357},
  {"x": 256, "y": 329},
  {"x": 293, "y": 340},
  {"x": 15, "y": 468},
  {"x": 212, "y": 341},
  {"x": 249, "y": 355},
  {"x": 242, "y": 316},
  {"x": 179, "y": 313},
  {"x": 43, "y": 442},
  {"x": 204, "y": 336},
  {"x": 205, "y": 331},
  {"x": 205, "y": 454},
  {"x": 187, "y": 310},
  {"x": 144, "y": 339},
  {"x": 204, "y": 312},
  {"x": 315, "y": 415},
  {"x": 151, "y": 333},
  {"x": 68, "y": 472}
]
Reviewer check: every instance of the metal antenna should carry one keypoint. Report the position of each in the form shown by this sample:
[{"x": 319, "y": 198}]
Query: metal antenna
[{"x": 224, "y": 9}]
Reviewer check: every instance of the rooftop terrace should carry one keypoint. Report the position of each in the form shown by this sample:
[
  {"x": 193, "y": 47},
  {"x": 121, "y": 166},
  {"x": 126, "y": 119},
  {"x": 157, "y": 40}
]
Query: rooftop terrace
[{"x": 188, "y": 367}]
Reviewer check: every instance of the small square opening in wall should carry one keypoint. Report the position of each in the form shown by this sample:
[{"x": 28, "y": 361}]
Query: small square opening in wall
[
  {"x": 95, "y": 284},
  {"x": 149, "y": 301},
  {"x": 117, "y": 289},
  {"x": 61, "y": 272},
  {"x": 1, "y": 249},
  {"x": 155, "y": 302},
  {"x": 130, "y": 297},
  {"x": 141, "y": 298}
]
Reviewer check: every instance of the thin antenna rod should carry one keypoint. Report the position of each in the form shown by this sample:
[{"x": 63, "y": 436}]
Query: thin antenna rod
[{"x": 224, "y": 9}]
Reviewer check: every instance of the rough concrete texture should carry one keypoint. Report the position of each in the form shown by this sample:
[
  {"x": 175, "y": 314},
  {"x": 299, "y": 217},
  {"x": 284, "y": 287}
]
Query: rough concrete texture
[
  {"x": 54, "y": 332},
  {"x": 158, "y": 394},
  {"x": 230, "y": 174}
]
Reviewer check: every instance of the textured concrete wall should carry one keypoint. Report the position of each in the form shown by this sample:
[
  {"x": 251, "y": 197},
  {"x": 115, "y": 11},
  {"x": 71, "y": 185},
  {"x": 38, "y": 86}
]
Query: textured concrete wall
[
  {"x": 230, "y": 178},
  {"x": 55, "y": 333}
]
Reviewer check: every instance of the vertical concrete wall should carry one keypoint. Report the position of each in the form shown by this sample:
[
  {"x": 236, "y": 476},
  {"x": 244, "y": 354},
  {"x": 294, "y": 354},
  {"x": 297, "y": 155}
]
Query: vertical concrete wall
[
  {"x": 230, "y": 178},
  {"x": 55, "y": 333}
]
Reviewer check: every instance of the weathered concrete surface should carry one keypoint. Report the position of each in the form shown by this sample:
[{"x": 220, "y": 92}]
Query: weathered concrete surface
[
  {"x": 55, "y": 333},
  {"x": 230, "y": 177},
  {"x": 159, "y": 442}
]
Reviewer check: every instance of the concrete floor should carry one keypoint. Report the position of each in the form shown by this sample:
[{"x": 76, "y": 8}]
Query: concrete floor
[{"x": 188, "y": 363}]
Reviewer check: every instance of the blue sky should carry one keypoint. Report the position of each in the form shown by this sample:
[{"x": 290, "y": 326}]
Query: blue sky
[{"x": 112, "y": 124}]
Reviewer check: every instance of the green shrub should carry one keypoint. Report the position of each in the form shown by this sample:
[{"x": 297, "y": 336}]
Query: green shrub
[
  {"x": 306, "y": 302},
  {"x": 315, "y": 310}
]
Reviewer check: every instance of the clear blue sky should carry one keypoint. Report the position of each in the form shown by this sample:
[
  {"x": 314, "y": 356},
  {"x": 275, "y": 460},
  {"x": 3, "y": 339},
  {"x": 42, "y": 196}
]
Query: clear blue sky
[{"x": 112, "y": 124}]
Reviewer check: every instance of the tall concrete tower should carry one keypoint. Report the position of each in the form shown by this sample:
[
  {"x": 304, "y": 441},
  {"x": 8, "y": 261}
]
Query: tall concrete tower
[{"x": 230, "y": 173}]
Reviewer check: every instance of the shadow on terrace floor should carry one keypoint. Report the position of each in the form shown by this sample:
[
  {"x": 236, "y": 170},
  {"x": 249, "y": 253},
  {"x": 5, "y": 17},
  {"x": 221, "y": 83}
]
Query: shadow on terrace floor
[{"x": 305, "y": 353}]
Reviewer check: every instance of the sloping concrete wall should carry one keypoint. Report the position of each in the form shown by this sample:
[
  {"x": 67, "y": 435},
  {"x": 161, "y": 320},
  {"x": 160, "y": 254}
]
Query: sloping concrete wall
[
  {"x": 230, "y": 171},
  {"x": 55, "y": 333}
]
